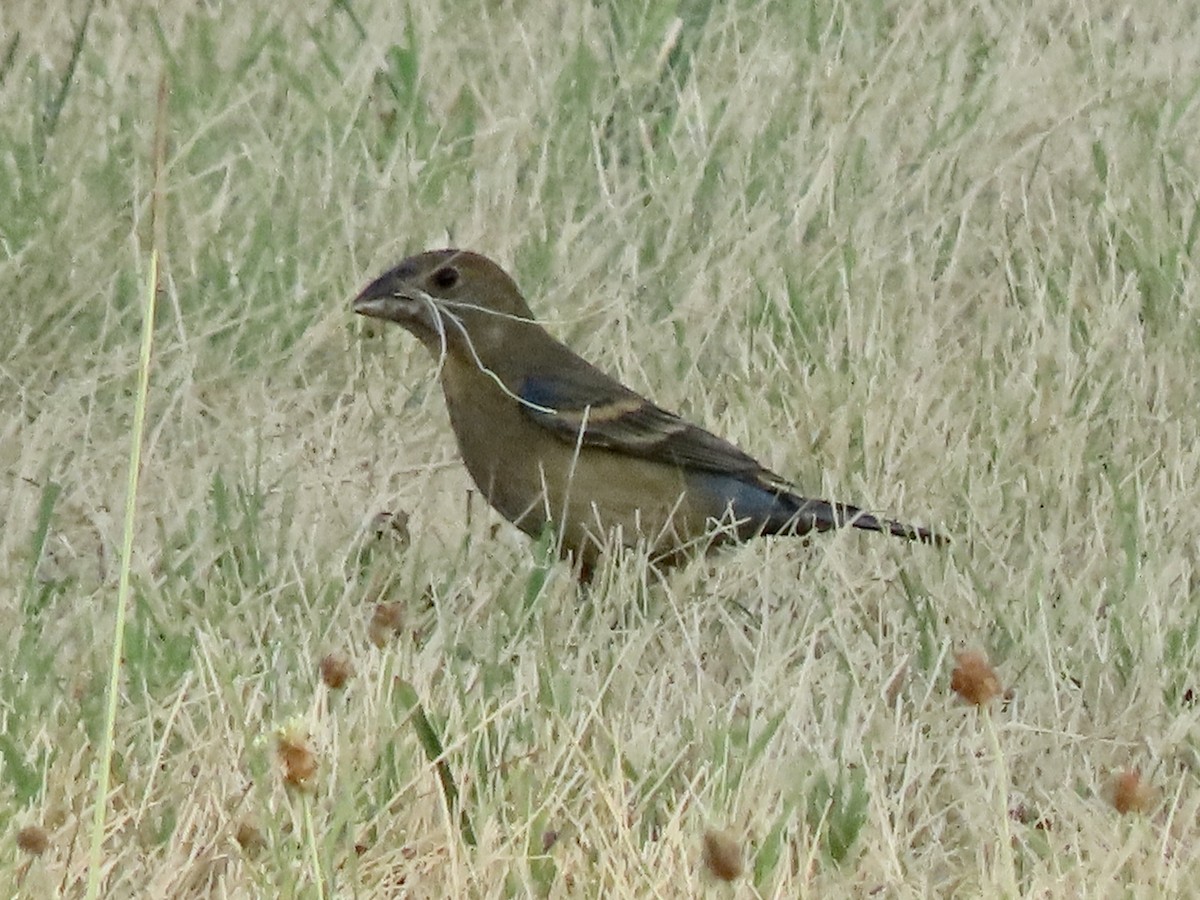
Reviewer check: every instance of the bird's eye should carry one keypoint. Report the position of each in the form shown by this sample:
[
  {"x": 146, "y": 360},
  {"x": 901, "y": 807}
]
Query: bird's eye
[{"x": 446, "y": 277}]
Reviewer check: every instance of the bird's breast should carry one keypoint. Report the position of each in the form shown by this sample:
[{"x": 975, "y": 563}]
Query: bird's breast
[{"x": 531, "y": 476}]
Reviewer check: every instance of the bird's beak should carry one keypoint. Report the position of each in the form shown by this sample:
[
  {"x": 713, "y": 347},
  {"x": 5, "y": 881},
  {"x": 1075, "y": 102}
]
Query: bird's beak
[
  {"x": 374, "y": 307},
  {"x": 385, "y": 298},
  {"x": 375, "y": 299},
  {"x": 393, "y": 300}
]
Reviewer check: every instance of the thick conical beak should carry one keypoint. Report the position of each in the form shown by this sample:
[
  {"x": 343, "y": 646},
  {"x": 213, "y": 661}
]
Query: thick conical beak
[{"x": 377, "y": 299}]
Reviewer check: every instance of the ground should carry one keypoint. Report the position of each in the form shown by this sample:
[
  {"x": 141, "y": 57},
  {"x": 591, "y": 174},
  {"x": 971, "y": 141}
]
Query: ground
[{"x": 938, "y": 260}]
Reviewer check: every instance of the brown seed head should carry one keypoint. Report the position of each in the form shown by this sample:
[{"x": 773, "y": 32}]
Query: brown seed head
[
  {"x": 297, "y": 759},
  {"x": 722, "y": 855},
  {"x": 1130, "y": 794},
  {"x": 974, "y": 679},
  {"x": 336, "y": 670},
  {"x": 33, "y": 839},
  {"x": 386, "y": 622},
  {"x": 249, "y": 837}
]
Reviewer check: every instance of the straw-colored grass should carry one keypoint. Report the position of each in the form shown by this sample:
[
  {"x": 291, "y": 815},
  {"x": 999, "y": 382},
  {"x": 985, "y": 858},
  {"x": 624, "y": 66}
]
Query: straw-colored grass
[{"x": 935, "y": 259}]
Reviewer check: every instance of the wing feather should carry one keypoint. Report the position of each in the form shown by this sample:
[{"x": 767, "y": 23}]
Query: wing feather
[{"x": 609, "y": 415}]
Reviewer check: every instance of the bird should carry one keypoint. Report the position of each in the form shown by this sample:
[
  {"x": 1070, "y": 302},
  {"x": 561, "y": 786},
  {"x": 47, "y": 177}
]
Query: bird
[{"x": 551, "y": 441}]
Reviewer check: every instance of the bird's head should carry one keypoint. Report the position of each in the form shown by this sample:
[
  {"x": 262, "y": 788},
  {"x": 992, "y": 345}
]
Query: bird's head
[{"x": 453, "y": 300}]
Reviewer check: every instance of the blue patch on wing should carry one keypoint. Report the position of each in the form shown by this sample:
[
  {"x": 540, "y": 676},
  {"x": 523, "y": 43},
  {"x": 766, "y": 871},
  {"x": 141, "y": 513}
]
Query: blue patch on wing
[
  {"x": 762, "y": 509},
  {"x": 548, "y": 392}
]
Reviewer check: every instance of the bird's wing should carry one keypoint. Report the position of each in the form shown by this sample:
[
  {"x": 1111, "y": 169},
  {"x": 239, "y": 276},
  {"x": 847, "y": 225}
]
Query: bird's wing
[
  {"x": 583, "y": 405},
  {"x": 579, "y": 404}
]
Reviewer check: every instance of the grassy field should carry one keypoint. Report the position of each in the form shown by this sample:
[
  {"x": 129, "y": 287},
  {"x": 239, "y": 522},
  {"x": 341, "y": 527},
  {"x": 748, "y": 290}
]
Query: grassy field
[{"x": 935, "y": 259}]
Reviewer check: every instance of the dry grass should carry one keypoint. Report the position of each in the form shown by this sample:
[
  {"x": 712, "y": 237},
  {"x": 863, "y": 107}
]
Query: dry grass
[{"x": 936, "y": 259}]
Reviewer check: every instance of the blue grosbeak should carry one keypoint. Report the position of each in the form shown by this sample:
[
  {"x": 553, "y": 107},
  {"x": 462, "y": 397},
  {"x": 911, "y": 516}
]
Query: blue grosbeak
[{"x": 551, "y": 440}]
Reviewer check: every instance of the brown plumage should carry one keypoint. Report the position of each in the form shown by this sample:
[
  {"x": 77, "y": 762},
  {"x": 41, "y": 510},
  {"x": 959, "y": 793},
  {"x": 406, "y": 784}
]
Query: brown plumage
[{"x": 550, "y": 439}]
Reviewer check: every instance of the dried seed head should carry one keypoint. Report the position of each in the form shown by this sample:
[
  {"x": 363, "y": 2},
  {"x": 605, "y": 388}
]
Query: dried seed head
[
  {"x": 974, "y": 679},
  {"x": 1129, "y": 793},
  {"x": 336, "y": 670},
  {"x": 297, "y": 759},
  {"x": 249, "y": 837},
  {"x": 33, "y": 839},
  {"x": 386, "y": 622},
  {"x": 722, "y": 855}
]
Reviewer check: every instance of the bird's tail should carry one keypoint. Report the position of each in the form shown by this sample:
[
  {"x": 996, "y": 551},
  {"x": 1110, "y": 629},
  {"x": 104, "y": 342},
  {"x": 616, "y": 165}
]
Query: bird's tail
[{"x": 820, "y": 515}]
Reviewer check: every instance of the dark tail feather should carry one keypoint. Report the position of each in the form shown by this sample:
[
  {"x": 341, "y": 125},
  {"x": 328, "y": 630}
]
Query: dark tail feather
[{"x": 823, "y": 516}]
